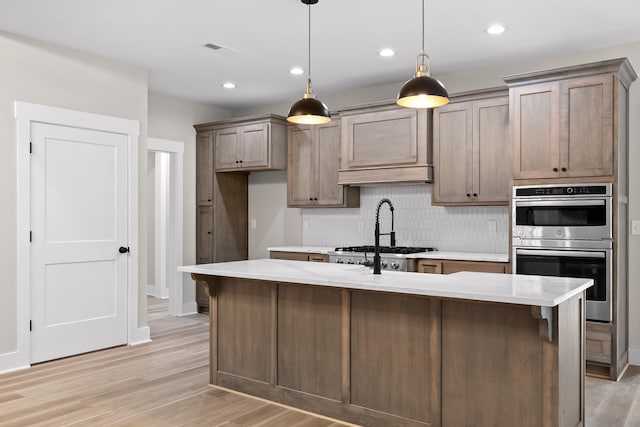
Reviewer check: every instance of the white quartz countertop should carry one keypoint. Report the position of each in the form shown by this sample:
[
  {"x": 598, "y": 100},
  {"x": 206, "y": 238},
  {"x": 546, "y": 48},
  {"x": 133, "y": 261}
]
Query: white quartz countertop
[
  {"x": 303, "y": 249},
  {"x": 458, "y": 256},
  {"x": 502, "y": 288}
]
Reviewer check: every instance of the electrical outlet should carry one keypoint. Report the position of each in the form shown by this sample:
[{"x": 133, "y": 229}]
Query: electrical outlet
[{"x": 635, "y": 226}]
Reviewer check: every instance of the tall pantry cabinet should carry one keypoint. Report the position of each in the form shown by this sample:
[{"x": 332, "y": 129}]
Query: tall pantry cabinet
[
  {"x": 226, "y": 151},
  {"x": 570, "y": 125}
]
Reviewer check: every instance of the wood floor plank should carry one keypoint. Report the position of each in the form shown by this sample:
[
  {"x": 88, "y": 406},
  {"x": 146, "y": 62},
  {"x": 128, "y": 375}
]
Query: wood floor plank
[{"x": 165, "y": 383}]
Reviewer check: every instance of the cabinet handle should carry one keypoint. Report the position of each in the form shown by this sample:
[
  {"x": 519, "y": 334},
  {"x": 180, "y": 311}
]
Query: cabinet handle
[
  {"x": 208, "y": 200},
  {"x": 208, "y": 232},
  {"x": 555, "y": 169},
  {"x": 563, "y": 169}
]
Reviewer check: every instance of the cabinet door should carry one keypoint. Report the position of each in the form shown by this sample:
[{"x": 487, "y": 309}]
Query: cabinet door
[
  {"x": 253, "y": 149},
  {"x": 329, "y": 193},
  {"x": 226, "y": 143},
  {"x": 204, "y": 235},
  {"x": 204, "y": 169},
  {"x": 301, "y": 169},
  {"x": 491, "y": 151},
  {"x": 586, "y": 126},
  {"x": 382, "y": 138},
  {"x": 453, "y": 152},
  {"x": 535, "y": 132}
]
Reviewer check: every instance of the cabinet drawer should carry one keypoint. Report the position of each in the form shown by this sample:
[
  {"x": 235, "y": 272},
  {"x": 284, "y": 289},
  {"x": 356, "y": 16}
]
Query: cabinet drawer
[
  {"x": 598, "y": 343},
  {"x": 449, "y": 267}
]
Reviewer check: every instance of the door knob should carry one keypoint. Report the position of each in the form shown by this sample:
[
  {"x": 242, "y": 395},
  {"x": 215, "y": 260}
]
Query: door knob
[{"x": 123, "y": 250}]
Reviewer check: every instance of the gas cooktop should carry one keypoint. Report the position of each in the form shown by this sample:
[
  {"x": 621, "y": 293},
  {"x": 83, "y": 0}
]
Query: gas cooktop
[{"x": 386, "y": 249}]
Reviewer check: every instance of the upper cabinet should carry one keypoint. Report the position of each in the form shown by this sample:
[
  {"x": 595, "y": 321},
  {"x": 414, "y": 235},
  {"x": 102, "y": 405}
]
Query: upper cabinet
[
  {"x": 312, "y": 171},
  {"x": 383, "y": 143},
  {"x": 562, "y": 121},
  {"x": 204, "y": 168},
  {"x": 251, "y": 144},
  {"x": 471, "y": 150}
]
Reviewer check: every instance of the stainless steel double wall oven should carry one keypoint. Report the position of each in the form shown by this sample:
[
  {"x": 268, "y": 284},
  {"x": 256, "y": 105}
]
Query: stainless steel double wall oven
[{"x": 566, "y": 230}]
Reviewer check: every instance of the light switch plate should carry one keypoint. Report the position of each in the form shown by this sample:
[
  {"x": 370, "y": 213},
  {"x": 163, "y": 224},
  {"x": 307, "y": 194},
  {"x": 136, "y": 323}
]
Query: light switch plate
[{"x": 635, "y": 226}]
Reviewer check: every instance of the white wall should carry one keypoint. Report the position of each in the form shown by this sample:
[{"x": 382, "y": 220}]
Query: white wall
[
  {"x": 41, "y": 73},
  {"x": 275, "y": 224},
  {"x": 491, "y": 77},
  {"x": 150, "y": 184},
  {"x": 173, "y": 119}
]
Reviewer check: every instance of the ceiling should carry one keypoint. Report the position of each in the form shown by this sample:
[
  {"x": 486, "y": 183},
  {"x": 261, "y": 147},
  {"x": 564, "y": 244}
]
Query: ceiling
[{"x": 263, "y": 39}]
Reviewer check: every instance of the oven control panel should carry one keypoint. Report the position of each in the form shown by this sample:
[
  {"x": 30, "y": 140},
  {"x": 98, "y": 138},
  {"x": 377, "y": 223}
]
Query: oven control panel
[{"x": 566, "y": 190}]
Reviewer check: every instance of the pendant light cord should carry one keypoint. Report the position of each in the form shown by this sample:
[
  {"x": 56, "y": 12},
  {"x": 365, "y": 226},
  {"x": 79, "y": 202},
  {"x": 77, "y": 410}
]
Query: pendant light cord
[
  {"x": 309, "y": 40},
  {"x": 423, "y": 26}
]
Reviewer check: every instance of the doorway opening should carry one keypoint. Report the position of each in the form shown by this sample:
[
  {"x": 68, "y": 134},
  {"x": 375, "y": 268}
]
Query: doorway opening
[{"x": 165, "y": 224}]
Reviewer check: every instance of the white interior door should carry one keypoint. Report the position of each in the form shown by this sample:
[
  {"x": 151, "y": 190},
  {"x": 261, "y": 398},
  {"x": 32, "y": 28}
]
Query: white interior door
[{"x": 78, "y": 222}]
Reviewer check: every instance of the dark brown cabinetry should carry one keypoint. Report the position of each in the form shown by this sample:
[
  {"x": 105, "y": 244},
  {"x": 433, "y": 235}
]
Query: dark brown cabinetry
[
  {"x": 471, "y": 145},
  {"x": 312, "y": 170}
]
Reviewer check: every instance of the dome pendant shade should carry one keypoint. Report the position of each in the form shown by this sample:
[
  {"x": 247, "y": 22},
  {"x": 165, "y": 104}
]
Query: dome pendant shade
[
  {"x": 423, "y": 92},
  {"x": 309, "y": 111}
]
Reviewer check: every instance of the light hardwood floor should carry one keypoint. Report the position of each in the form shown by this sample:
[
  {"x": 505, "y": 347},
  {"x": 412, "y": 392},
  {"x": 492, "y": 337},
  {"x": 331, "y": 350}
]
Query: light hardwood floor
[{"x": 164, "y": 383}]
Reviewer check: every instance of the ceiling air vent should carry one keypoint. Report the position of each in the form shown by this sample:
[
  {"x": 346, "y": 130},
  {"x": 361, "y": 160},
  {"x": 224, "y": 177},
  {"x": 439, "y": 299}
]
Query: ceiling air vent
[{"x": 213, "y": 46}]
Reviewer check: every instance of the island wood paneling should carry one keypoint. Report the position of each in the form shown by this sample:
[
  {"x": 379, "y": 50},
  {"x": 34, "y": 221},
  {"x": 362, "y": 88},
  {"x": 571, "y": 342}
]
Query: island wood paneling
[
  {"x": 309, "y": 341},
  {"x": 244, "y": 326},
  {"x": 388, "y": 332},
  {"x": 382, "y": 359}
]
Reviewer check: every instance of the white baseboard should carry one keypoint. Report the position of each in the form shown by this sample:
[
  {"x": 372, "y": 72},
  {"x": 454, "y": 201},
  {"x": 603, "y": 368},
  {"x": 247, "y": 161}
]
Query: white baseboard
[
  {"x": 13, "y": 361},
  {"x": 151, "y": 290},
  {"x": 634, "y": 356},
  {"x": 140, "y": 336},
  {"x": 189, "y": 308}
]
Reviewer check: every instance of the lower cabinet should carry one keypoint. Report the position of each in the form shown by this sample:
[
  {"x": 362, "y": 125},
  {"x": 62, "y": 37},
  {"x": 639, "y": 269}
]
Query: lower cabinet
[
  {"x": 299, "y": 256},
  {"x": 441, "y": 266},
  {"x": 598, "y": 349}
]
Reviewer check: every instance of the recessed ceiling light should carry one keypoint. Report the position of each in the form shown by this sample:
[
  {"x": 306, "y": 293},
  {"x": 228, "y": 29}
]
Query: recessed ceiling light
[
  {"x": 229, "y": 85},
  {"x": 296, "y": 71},
  {"x": 387, "y": 52},
  {"x": 496, "y": 29}
]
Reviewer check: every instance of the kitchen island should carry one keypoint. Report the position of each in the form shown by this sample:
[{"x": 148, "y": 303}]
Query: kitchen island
[{"x": 401, "y": 349}]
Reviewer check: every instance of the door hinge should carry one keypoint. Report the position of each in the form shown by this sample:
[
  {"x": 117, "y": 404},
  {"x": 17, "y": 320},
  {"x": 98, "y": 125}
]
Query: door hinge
[{"x": 30, "y": 325}]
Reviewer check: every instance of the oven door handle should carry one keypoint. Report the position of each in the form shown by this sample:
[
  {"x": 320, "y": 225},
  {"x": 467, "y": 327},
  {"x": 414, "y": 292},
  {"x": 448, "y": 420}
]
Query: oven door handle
[
  {"x": 571, "y": 254},
  {"x": 559, "y": 203}
]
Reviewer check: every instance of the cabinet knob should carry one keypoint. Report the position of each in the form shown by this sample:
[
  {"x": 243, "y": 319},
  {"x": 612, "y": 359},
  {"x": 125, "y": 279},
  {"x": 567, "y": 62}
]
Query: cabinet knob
[
  {"x": 237, "y": 161},
  {"x": 468, "y": 195},
  {"x": 240, "y": 161},
  {"x": 555, "y": 169},
  {"x": 208, "y": 232},
  {"x": 475, "y": 194},
  {"x": 563, "y": 169},
  {"x": 311, "y": 198},
  {"x": 208, "y": 200}
]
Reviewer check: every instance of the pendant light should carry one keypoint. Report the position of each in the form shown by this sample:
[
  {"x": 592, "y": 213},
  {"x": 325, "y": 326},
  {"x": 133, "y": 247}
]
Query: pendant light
[
  {"x": 423, "y": 91},
  {"x": 309, "y": 110}
]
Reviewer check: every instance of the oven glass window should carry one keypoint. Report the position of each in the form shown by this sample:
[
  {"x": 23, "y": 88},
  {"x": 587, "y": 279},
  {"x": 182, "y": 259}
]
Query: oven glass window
[
  {"x": 561, "y": 216},
  {"x": 590, "y": 268}
]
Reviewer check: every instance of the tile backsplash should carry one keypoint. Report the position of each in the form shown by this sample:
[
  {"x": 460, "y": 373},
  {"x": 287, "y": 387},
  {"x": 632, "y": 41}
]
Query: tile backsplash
[{"x": 417, "y": 223}]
